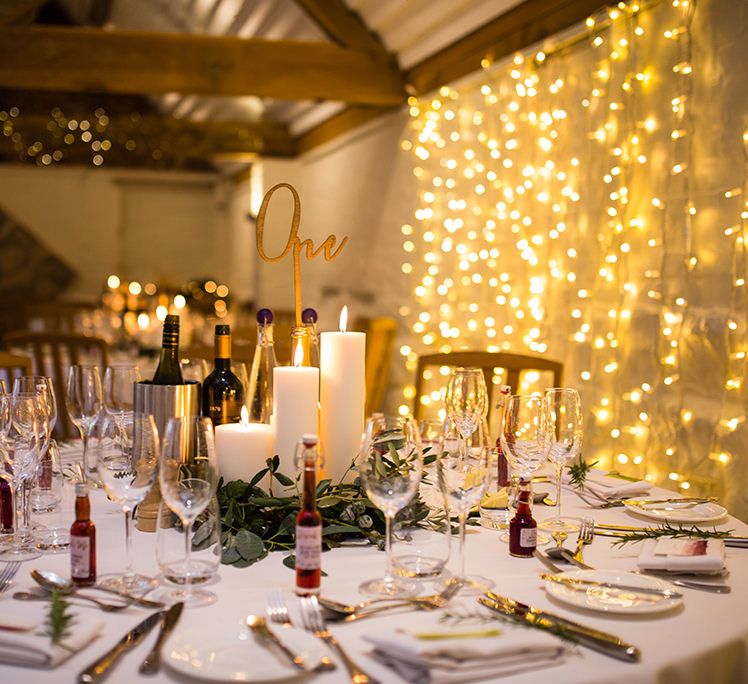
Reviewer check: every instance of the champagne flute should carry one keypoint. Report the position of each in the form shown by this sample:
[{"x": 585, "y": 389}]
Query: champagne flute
[
  {"x": 563, "y": 426},
  {"x": 390, "y": 466},
  {"x": 188, "y": 476},
  {"x": 119, "y": 392},
  {"x": 83, "y": 402},
  {"x": 466, "y": 400},
  {"x": 462, "y": 472},
  {"x": 127, "y": 462}
]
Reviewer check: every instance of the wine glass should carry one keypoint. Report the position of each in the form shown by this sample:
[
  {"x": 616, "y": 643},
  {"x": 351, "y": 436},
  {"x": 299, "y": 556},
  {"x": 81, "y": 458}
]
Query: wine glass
[
  {"x": 51, "y": 498},
  {"x": 42, "y": 386},
  {"x": 390, "y": 466},
  {"x": 188, "y": 477},
  {"x": 119, "y": 392},
  {"x": 466, "y": 400},
  {"x": 83, "y": 402},
  {"x": 127, "y": 463},
  {"x": 563, "y": 425},
  {"x": 5, "y": 421},
  {"x": 462, "y": 472}
]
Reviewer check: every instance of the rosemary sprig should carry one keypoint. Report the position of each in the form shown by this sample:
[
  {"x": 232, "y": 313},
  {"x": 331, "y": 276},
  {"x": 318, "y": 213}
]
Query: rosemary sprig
[
  {"x": 578, "y": 471},
  {"x": 59, "y": 620},
  {"x": 668, "y": 530}
]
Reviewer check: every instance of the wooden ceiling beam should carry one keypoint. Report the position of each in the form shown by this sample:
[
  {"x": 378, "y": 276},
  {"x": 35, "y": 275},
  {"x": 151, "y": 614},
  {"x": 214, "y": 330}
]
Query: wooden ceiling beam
[
  {"x": 345, "y": 120},
  {"x": 83, "y": 60},
  {"x": 515, "y": 30}
]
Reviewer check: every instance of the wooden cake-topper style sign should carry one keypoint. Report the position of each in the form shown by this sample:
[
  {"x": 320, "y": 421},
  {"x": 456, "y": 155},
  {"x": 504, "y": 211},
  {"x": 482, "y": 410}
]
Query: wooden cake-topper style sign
[{"x": 294, "y": 243}]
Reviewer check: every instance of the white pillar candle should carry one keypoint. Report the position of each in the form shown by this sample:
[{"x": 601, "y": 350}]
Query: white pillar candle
[
  {"x": 342, "y": 397},
  {"x": 243, "y": 448},
  {"x": 295, "y": 408}
]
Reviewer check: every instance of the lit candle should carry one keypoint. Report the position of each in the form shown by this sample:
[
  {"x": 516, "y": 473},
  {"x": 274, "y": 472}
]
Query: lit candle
[
  {"x": 242, "y": 448},
  {"x": 295, "y": 408},
  {"x": 342, "y": 397}
]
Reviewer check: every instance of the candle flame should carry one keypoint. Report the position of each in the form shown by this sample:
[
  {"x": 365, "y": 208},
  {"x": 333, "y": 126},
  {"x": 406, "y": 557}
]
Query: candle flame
[
  {"x": 298, "y": 357},
  {"x": 344, "y": 319},
  {"x": 245, "y": 416}
]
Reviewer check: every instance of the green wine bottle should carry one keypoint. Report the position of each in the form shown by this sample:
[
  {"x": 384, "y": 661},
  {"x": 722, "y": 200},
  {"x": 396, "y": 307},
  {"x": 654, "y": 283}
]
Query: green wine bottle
[
  {"x": 223, "y": 392},
  {"x": 169, "y": 371}
]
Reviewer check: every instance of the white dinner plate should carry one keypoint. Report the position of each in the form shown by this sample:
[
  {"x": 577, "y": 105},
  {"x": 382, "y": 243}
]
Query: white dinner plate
[
  {"x": 681, "y": 513},
  {"x": 231, "y": 653},
  {"x": 614, "y": 600}
]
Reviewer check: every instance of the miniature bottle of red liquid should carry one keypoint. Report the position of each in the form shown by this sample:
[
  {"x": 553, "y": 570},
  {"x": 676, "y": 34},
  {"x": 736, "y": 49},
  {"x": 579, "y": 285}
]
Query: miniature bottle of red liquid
[
  {"x": 503, "y": 465},
  {"x": 523, "y": 533},
  {"x": 308, "y": 522},
  {"x": 82, "y": 540}
]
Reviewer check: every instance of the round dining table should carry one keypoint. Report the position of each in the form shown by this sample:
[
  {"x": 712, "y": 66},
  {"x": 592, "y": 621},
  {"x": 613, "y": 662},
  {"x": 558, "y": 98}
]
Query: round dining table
[{"x": 705, "y": 639}]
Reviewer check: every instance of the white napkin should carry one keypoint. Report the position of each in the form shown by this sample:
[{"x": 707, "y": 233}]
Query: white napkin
[
  {"x": 607, "y": 486},
  {"x": 22, "y": 643},
  {"x": 454, "y": 660},
  {"x": 657, "y": 554}
]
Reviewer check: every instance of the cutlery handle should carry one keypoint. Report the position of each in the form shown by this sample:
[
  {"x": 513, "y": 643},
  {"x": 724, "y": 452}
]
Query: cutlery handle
[
  {"x": 152, "y": 662},
  {"x": 97, "y": 670},
  {"x": 133, "y": 599},
  {"x": 358, "y": 676}
]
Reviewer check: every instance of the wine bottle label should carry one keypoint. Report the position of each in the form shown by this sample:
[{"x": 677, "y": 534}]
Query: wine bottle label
[
  {"x": 228, "y": 411},
  {"x": 80, "y": 557},
  {"x": 528, "y": 538},
  {"x": 308, "y": 547}
]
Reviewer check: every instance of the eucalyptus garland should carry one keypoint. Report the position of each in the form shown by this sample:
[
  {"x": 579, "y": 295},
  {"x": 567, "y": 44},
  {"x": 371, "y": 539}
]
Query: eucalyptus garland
[{"x": 255, "y": 521}]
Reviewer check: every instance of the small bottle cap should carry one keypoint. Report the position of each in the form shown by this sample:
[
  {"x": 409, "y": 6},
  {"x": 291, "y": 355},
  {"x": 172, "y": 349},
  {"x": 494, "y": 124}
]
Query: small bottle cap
[
  {"x": 171, "y": 319},
  {"x": 223, "y": 330},
  {"x": 309, "y": 316},
  {"x": 505, "y": 389},
  {"x": 309, "y": 439},
  {"x": 81, "y": 489},
  {"x": 264, "y": 316}
]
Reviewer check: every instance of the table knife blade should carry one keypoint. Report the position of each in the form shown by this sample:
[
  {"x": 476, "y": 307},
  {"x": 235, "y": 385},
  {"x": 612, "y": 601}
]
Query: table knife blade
[
  {"x": 98, "y": 669},
  {"x": 583, "y": 582},
  {"x": 152, "y": 662},
  {"x": 601, "y": 642}
]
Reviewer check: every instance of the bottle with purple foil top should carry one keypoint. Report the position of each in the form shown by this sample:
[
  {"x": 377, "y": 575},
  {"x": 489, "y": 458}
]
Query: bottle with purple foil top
[
  {"x": 260, "y": 388},
  {"x": 309, "y": 319}
]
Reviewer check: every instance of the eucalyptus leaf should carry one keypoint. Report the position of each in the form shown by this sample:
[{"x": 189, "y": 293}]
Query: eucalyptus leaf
[
  {"x": 230, "y": 555},
  {"x": 322, "y": 487},
  {"x": 339, "y": 529},
  {"x": 283, "y": 479},
  {"x": 249, "y": 545},
  {"x": 328, "y": 501},
  {"x": 258, "y": 476}
]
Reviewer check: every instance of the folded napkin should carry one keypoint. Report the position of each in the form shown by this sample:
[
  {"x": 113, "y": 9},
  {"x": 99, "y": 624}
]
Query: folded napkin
[
  {"x": 683, "y": 555},
  {"x": 452, "y": 655},
  {"x": 610, "y": 486},
  {"x": 22, "y": 641}
]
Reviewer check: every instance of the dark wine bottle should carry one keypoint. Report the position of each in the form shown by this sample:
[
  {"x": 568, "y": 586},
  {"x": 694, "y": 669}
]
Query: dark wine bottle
[
  {"x": 223, "y": 392},
  {"x": 169, "y": 372}
]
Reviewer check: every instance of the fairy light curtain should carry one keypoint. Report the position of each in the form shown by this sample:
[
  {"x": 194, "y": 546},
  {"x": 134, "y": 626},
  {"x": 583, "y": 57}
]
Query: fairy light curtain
[{"x": 588, "y": 203}]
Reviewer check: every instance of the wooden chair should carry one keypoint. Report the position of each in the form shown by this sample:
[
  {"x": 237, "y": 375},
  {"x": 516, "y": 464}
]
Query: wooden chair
[
  {"x": 53, "y": 353},
  {"x": 59, "y": 316},
  {"x": 380, "y": 338},
  {"x": 514, "y": 364},
  {"x": 12, "y": 366}
]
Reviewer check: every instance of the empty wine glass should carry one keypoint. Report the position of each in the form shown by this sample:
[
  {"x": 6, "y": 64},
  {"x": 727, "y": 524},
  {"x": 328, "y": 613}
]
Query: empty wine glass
[
  {"x": 462, "y": 472},
  {"x": 127, "y": 462},
  {"x": 83, "y": 402},
  {"x": 52, "y": 499},
  {"x": 390, "y": 466},
  {"x": 466, "y": 400},
  {"x": 5, "y": 421},
  {"x": 563, "y": 426},
  {"x": 119, "y": 392},
  {"x": 42, "y": 386},
  {"x": 188, "y": 477}
]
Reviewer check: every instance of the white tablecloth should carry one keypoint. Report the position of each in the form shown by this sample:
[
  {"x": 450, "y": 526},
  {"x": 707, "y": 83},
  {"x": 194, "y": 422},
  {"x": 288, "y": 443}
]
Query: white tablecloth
[{"x": 705, "y": 641}]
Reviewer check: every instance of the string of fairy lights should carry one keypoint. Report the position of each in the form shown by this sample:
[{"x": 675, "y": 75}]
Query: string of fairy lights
[{"x": 560, "y": 212}]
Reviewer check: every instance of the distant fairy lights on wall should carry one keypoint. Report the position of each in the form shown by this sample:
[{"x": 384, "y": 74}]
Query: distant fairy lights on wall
[{"x": 561, "y": 213}]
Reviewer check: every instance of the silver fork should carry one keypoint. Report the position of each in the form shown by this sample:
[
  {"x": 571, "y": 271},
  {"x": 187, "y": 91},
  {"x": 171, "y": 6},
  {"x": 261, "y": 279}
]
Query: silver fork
[
  {"x": 277, "y": 611},
  {"x": 7, "y": 574},
  {"x": 311, "y": 616}
]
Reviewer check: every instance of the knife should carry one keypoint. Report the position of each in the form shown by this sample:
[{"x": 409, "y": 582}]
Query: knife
[
  {"x": 152, "y": 661},
  {"x": 579, "y": 582},
  {"x": 602, "y": 642},
  {"x": 101, "y": 667},
  {"x": 646, "y": 502},
  {"x": 258, "y": 625}
]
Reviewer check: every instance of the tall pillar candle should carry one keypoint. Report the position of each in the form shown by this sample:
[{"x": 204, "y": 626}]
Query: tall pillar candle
[
  {"x": 243, "y": 448},
  {"x": 342, "y": 397},
  {"x": 295, "y": 409}
]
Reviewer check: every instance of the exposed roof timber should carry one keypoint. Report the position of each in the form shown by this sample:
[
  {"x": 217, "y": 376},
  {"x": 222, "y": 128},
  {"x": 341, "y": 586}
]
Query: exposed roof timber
[
  {"x": 336, "y": 125},
  {"x": 514, "y": 30},
  {"x": 134, "y": 62},
  {"x": 345, "y": 27}
]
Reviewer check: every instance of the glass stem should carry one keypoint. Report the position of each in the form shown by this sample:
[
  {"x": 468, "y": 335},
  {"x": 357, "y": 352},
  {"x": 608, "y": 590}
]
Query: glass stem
[
  {"x": 187, "y": 559},
  {"x": 25, "y": 521},
  {"x": 559, "y": 471},
  {"x": 16, "y": 492},
  {"x": 84, "y": 459},
  {"x": 388, "y": 575},
  {"x": 128, "y": 543},
  {"x": 463, "y": 519}
]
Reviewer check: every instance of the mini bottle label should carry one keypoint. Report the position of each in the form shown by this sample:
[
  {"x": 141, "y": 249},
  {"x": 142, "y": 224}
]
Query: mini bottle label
[
  {"x": 308, "y": 547},
  {"x": 80, "y": 557},
  {"x": 528, "y": 538}
]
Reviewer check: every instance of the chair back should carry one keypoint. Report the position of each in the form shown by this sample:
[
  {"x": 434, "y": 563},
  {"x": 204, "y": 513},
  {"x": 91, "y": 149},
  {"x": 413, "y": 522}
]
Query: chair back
[
  {"x": 13, "y": 366},
  {"x": 488, "y": 362},
  {"x": 53, "y": 353},
  {"x": 380, "y": 339}
]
